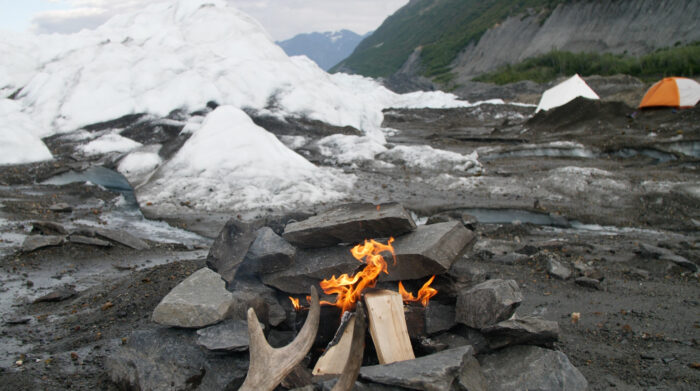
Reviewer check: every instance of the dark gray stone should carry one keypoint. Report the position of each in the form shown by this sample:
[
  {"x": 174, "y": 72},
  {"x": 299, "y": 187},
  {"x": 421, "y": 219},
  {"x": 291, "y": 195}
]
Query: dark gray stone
[
  {"x": 557, "y": 270},
  {"x": 310, "y": 267},
  {"x": 436, "y": 372},
  {"x": 61, "y": 207},
  {"x": 488, "y": 303},
  {"x": 122, "y": 237},
  {"x": 80, "y": 239},
  {"x": 470, "y": 377},
  {"x": 467, "y": 220},
  {"x": 648, "y": 250},
  {"x": 439, "y": 317},
  {"x": 466, "y": 271},
  {"x": 230, "y": 335},
  {"x": 48, "y": 228},
  {"x": 263, "y": 299},
  {"x": 350, "y": 223},
  {"x": 525, "y": 330},
  {"x": 527, "y": 367},
  {"x": 229, "y": 249},
  {"x": 84, "y": 231},
  {"x": 510, "y": 258},
  {"x": 359, "y": 386},
  {"x": 224, "y": 372},
  {"x": 157, "y": 360},
  {"x": 430, "y": 249},
  {"x": 588, "y": 283},
  {"x": 35, "y": 242},
  {"x": 63, "y": 293},
  {"x": 269, "y": 252}
]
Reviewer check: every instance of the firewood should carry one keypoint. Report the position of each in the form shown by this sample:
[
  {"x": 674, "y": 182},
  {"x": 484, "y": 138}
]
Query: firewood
[
  {"x": 336, "y": 355},
  {"x": 387, "y": 325}
]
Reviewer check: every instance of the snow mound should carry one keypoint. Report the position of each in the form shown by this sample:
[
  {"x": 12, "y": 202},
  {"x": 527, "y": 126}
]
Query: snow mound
[
  {"x": 109, "y": 143},
  {"x": 231, "y": 163},
  {"x": 18, "y": 134},
  {"x": 429, "y": 158}
]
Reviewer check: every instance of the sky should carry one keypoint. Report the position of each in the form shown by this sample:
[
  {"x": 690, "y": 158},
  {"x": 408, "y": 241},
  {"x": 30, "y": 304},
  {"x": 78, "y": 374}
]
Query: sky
[{"x": 283, "y": 19}]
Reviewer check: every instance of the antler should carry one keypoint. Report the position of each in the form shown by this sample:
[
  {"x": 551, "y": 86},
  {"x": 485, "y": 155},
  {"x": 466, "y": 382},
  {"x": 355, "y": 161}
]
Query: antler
[
  {"x": 346, "y": 382},
  {"x": 269, "y": 366}
]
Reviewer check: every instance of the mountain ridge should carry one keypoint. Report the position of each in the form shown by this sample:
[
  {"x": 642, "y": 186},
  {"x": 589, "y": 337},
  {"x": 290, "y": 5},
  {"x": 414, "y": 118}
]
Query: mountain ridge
[{"x": 324, "y": 48}]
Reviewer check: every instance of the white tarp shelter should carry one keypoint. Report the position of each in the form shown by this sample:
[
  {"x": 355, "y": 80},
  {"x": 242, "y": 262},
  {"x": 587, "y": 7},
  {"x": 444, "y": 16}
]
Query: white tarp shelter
[{"x": 565, "y": 92}]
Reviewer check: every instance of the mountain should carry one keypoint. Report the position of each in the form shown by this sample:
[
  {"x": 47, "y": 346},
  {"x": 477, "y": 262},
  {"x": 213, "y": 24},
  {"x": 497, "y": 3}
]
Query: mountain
[
  {"x": 325, "y": 49},
  {"x": 450, "y": 41}
]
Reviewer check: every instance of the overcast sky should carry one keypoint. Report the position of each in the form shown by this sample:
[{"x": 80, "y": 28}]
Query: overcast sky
[{"x": 282, "y": 18}]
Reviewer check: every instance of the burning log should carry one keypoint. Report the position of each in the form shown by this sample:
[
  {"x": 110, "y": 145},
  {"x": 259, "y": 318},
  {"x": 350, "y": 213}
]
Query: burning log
[{"x": 387, "y": 325}]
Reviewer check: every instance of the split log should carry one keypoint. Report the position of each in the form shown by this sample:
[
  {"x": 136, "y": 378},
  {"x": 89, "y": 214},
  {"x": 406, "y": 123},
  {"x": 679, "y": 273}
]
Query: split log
[
  {"x": 347, "y": 379},
  {"x": 387, "y": 325},
  {"x": 336, "y": 355}
]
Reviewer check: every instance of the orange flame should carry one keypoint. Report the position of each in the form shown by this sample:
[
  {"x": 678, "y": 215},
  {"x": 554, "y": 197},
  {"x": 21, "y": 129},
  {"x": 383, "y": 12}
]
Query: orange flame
[
  {"x": 295, "y": 303},
  {"x": 424, "y": 293},
  {"x": 348, "y": 289}
]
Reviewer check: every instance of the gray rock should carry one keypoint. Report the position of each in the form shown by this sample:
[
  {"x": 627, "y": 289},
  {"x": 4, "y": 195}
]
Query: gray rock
[
  {"x": 488, "y": 303},
  {"x": 157, "y": 360},
  {"x": 230, "y": 335},
  {"x": 350, "y": 223},
  {"x": 470, "y": 377},
  {"x": 557, "y": 270},
  {"x": 466, "y": 219},
  {"x": 83, "y": 230},
  {"x": 510, "y": 258},
  {"x": 310, "y": 267},
  {"x": 122, "y": 237},
  {"x": 229, "y": 249},
  {"x": 466, "y": 271},
  {"x": 63, "y": 293},
  {"x": 461, "y": 336},
  {"x": 269, "y": 252},
  {"x": 439, "y": 317},
  {"x": 528, "y": 367},
  {"x": 61, "y": 207},
  {"x": 35, "y": 242},
  {"x": 430, "y": 249},
  {"x": 525, "y": 330},
  {"x": 436, "y": 372},
  {"x": 48, "y": 228},
  {"x": 198, "y": 301},
  {"x": 588, "y": 283},
  {"x": 648, "y": 250},
  {"x": 80, "y": 239},
  {"x": 253, "y": 294},
  {"x": 224, "y": 372}
]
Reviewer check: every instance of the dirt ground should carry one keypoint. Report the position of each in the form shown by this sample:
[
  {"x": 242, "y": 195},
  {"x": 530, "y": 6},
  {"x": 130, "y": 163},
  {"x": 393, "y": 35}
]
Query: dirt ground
[{"x": 618, "y": 178}]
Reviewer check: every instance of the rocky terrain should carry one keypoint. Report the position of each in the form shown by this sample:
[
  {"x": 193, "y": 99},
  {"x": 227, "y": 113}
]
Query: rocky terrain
[{"x": 592, "y": 209}]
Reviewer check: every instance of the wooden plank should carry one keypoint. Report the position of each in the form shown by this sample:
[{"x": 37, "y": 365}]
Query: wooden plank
[
  {"x": 334, "y": 358},
  {"x": 387, "y": 325}
]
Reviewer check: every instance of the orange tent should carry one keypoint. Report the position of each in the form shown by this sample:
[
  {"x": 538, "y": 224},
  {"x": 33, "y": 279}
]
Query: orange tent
[{"x": 672, "y": 92}]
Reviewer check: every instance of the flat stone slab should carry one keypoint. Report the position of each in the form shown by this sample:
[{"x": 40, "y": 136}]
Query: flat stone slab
[
  {"x": 435, "y": 372},
  {"x": 80, "y": 239},
  {"x": 526, "y": 367},
  {"x": 269, "y": 252},
  {"x": 230, "y": 335},
  {"x": 122, "y": 237},
  {"x": 666, "y": 255},
  {"x": 59, "y": 294},
  {"x": 430, "y": 249},
  {"x": 198, "y": 301},
  {"x": 310, "y": 267},
  {"x": 350, "y": 223},
  {"x": 517, "y": 331},
  {"x": 488, "y": 303},
  {"x": 35, "y": 242},
  {"x": 61, "y": 207},
  {"x": 230, "y": 248},
  {"x": 439, "y": 317}
]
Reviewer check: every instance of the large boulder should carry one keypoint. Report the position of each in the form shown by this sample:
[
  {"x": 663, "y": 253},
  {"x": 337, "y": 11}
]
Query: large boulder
[
  {"x": 436, "y": 372},
  {"x": 526, "y": 367},
  {"x": 310, "y": 266},
  {"x": 350, "y": 223},
  {"x": 488, "y": 303},
  {"x": 198, "y": 301},
  {"x": 229, "y": 249},
  {"x": 155, "y": 360},
  {"x": 269, "y": 252},
  {"x": 525, "y": 330},
  {"x": 430, "y": 249}
]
